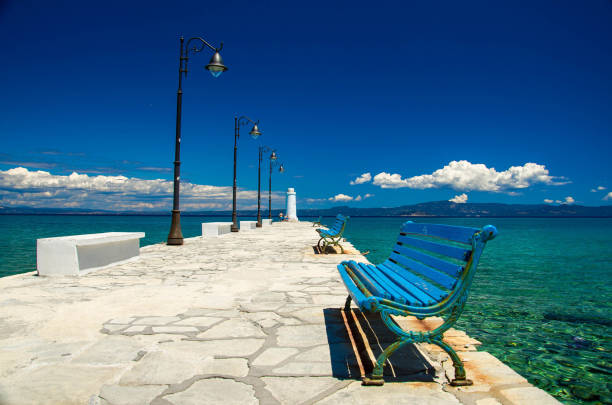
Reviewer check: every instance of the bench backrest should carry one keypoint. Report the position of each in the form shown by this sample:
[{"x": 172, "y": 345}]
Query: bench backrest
[
  {"x": 339, "y": 224},
  {"x": 442, "y": 257}
]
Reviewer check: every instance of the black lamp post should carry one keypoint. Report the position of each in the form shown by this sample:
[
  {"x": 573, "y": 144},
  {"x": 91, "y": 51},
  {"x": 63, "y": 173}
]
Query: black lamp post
[
  {"x": 262, "y": 150},
  {"x": 215, "y": 67},
  {"x": 254, "y": 133},
  {"x": 281, "y": 169}
]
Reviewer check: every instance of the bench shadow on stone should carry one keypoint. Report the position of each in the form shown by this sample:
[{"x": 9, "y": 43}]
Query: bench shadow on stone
[
  {"x": 351, "y": 353},
  {"x": 329, "y": 250}
]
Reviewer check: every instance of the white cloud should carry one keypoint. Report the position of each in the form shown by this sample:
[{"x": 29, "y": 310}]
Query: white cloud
[
  {"x": 599, "y": 188},
  {"x": 465, "y": 176},
  {"x": 22, "y": 187},
  {"x": 608, "y": 196},
  {"x": 341, "y": 197},
  {"x": 358, "y": 198},
  {"x": 367, "y": 196},
  {"x": 568, "y": 200},
  {"x": 315, "y": 200},
  {"x": 387, "y": 180},
  {"x": 364, "y": 178},
  {"x": 459, "y": 199}
]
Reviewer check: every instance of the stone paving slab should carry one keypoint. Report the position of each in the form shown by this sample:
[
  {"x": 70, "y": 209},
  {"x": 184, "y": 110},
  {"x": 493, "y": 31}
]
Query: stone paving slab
[{"x": 246, "y": 318}]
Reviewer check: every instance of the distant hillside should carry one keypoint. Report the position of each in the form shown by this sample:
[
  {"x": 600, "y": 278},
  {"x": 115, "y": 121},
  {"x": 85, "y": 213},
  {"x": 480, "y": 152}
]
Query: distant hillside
[
  {"x": 450, "y": 209},
  {"x": 429, "y": 209}
]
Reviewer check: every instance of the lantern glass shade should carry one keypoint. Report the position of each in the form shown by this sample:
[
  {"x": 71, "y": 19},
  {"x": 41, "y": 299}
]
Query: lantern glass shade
[
  {"x": 273, "y": 156},
  {"x": 255, "y": 132},
  {"x": 216, "y": 66}
]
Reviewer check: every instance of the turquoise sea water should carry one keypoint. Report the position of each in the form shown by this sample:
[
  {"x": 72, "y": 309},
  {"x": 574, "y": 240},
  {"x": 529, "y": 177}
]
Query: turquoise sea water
[{"x": 540, "y": 299}]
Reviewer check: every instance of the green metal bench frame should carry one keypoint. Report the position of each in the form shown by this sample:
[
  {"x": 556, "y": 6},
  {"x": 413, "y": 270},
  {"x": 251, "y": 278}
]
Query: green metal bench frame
[
  {"x": 333, "y": 235},
  {"x": 318, "y": 222},
  {"x": 410, "y": 283}
]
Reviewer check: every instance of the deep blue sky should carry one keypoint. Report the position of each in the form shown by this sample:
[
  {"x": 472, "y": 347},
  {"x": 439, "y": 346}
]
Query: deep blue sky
[{"x": 341, "y": 89}]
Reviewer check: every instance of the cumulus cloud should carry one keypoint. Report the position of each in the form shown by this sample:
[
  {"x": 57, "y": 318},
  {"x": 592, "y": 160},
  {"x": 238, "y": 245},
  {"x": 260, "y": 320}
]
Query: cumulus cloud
[
  {"x": 608, "y": 196},
  {"x": 315, "y": 200},
  {"x": 22, "y": 187},
  {"x": 599, "y": 188},
  {"x": 566, "y": 201},
  {"x": 465, "y": 176},
  {"x": 459, "y": 199},
  {"x": 364, "y": 178},
  {"x": 569, "y": 200},
  {"x": 341, "y": 197}
]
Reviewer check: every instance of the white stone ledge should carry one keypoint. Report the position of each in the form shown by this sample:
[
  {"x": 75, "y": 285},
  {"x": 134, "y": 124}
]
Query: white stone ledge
[
  {"x": 248, "y": 224},
  {"x": 266, "y": 222},
  {"x": 216, "y": 228},
  {"x": 80, "y": 254}
]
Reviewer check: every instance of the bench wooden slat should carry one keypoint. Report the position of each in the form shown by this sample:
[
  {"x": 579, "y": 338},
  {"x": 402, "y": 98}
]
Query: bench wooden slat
[
  {"x": 455, "y": 233},
  {"x": 425, "y": 291},
  {"x": 446, "y": 250},
  {"x": 438, "y": 277},
  {"x": 372, "y": 285},
  {"x": 422, "y": 283},
  {"x": 397, "y": 294},
  {"x": 413, "y": 294},
  {"x": 354, "y": 291},
  {"x": 449, "y": 268}
]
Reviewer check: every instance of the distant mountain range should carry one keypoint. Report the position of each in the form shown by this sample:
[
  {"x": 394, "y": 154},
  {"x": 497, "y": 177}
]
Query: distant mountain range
[{"x": 428, "y": 209}]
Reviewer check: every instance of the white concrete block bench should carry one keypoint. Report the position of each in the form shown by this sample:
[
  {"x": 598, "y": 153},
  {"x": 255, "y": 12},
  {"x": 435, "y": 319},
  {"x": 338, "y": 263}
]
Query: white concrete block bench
[
  {"x": 81, "y": 254},
  {"x": 248, "y": 224},
  {"x": 266, "y": 222},
  {"x": 216, "y": 228}
]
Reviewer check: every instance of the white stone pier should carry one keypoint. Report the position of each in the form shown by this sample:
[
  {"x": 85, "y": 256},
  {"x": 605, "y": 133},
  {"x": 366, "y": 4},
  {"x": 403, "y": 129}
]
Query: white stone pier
[{"x": 247, "y": 318}]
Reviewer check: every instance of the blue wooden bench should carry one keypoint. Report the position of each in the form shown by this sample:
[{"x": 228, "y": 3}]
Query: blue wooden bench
[
  {"x": 429, "y": 273},
  {"x": 333, "y": 235}
]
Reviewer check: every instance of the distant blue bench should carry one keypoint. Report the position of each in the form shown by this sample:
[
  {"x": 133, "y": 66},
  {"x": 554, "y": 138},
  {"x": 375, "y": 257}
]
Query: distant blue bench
[
  {"x": 333, "y": 235},
  {"x": 429, "y": 273}
]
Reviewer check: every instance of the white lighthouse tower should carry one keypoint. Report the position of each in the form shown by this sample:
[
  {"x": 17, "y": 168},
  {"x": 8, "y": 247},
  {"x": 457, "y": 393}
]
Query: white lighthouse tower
[{"x": 291, "y": 207}]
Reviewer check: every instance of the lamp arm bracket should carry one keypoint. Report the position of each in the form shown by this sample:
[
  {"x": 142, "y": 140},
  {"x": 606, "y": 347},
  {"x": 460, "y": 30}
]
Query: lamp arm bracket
[
  {"x": 244, "y": 119},
  {"x": 203, "y": 44}
]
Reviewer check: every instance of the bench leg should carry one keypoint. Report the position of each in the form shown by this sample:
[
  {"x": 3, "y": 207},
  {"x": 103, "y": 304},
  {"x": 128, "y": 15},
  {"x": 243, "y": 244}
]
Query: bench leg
[
  {"x": 459, "y": 379},
  {"x": 403, "y": 338},
  {"x": 347, "y": 304},
  {"x": 324, "y": 245},
  {"x": 338, "y": 244},
  {"x": 320, "y": 245},
  {"x": 377, "y": 374}
]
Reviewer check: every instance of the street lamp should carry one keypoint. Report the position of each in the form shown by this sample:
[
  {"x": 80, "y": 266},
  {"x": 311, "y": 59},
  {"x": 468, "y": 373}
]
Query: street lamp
[
  {"x": 262, "y": 150},
  {"x": 215, "y": 67},
  {"x": 273, "y": 162},
  {"x": 255, "y": 134}
]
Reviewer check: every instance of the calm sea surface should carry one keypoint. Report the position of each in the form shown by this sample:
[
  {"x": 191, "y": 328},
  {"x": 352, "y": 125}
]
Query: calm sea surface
[{"x": 540, "y": 301}]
